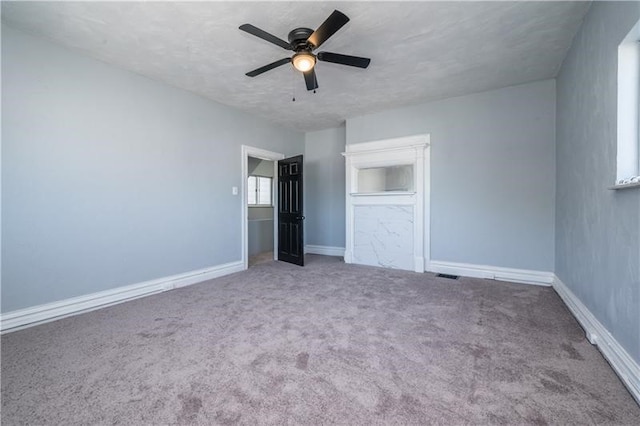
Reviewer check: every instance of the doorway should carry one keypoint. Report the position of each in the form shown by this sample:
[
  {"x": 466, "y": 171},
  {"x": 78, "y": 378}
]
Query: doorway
[
  {"x": 259, "y": 198},
  {"x": 260, "y": 206}
]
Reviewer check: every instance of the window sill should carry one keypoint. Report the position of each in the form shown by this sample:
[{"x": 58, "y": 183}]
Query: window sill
[{"x": 625, "y": 186}]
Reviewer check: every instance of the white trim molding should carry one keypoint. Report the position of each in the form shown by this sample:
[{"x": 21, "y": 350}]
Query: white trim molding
[
  {"x": 28, "y": 317},
  {"x": 324, "y": 250},
  {"x": 411, "y": 151},
  {"x": 523, "y": 276},
  {"x": 625, "y": 367}
]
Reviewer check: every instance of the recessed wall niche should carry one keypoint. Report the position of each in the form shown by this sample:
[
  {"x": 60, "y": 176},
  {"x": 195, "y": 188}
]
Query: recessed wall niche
[{"x": 397, "y": 178}]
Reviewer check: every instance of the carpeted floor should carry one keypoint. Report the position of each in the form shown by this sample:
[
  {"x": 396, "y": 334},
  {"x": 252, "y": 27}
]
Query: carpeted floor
[
  {"x": 259, "y": 258},
  {"x": 327, "y": 343}
]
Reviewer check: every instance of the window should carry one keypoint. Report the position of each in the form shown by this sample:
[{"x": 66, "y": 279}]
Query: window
[
  {"x": 628, "y": 141},
  {"x": 259, "y": 190}
]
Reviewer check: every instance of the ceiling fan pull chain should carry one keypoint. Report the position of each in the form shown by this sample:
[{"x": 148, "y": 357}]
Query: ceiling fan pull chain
[{"x": 293, "y": 85}]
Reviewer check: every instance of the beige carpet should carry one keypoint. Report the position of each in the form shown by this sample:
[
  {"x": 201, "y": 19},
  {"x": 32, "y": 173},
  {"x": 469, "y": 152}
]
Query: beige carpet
[
  {"x": 259, "y": 258},
  {"x": 327, "y": 343}
]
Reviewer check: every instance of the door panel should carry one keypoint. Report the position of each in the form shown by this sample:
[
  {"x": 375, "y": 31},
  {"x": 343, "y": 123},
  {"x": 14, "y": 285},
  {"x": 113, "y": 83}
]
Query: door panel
[
  {"x": 290, "y": 213},
  {"x": 296, "y": 248},
  {"x": 284, "y": 201},
  {"x": 293, "y": 188},
  {"x": 284, "y": 244}
]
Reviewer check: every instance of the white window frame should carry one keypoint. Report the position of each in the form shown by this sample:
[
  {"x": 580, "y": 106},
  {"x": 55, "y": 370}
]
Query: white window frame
[
  {"x": 628, "y": 113},
  {"x": 258, "y": 202}
]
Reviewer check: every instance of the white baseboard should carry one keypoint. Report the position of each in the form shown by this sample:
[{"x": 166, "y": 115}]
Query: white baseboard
[
  {"x": 325, "y": 250},
  {"x": 626, "y": 368},
  {"x": 28, "y": 317},
  {"x": 523, "y": 276}
]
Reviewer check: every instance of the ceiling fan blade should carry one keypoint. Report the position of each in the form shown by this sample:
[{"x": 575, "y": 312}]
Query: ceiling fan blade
[
  {"x": 334, "y": 22},
  {"x": 337, "y": 58},
  {"x": 310, "y": 79},
  {"x": 265, "y": 36},
  {"x": 268, "y": 67}
]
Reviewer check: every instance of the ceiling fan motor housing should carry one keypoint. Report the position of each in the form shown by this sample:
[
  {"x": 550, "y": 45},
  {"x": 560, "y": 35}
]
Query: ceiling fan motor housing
[{"x": 298, "y": 39}]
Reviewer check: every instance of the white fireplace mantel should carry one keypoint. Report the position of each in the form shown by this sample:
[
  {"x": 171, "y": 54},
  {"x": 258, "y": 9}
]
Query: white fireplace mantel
[{"x": 386, "y": 227}]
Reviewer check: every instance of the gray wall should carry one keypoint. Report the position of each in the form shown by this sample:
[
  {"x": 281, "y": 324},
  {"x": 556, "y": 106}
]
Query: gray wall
[
  {"x": 492, "y": 172},
  {"x": 260, "y": 236},
  {"x": 598, "y": 230},
  {"x": 324, "y": 176},
  {"x": 260, "y": 226},
  {"x": 110, "y": 178},
  {"x": 256, "y": 213},
  {"x": 260, "y": 167}
]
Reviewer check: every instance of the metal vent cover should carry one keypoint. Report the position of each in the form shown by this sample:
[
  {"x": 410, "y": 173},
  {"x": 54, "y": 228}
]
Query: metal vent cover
[{"x": 448, "y": 276}]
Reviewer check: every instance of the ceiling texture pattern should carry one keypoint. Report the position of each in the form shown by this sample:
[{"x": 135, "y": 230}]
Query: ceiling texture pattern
[{"x": 419, "y": 51}]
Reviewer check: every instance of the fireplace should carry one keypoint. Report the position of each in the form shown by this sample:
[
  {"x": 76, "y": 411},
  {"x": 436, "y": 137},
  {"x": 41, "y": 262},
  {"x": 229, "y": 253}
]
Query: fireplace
[{"x": 387, "y": 203}]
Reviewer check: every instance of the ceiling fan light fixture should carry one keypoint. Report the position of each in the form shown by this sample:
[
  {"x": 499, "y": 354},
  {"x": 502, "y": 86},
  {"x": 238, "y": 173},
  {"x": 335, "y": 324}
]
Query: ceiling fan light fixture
[
  {"x": 303, "y": 61},
  {"x": 304, "y": 41}
]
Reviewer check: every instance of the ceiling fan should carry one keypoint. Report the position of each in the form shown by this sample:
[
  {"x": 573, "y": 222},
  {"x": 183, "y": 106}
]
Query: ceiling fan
[{"x": 303, "y": 41}]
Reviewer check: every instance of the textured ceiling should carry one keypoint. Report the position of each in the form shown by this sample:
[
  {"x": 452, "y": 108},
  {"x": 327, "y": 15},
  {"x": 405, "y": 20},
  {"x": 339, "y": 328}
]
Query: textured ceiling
[{"x": 420, "y": 51}]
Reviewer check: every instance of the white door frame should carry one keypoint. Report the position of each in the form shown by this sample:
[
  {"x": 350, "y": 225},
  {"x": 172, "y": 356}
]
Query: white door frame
[{"x": 249, "y": 151}]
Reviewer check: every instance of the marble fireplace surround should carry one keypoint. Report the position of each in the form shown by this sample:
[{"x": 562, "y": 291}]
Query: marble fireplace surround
[{"x": 387, "y": 228}]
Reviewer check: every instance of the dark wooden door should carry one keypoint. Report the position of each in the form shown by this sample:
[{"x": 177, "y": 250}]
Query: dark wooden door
[{"x": 290, "y": 217}]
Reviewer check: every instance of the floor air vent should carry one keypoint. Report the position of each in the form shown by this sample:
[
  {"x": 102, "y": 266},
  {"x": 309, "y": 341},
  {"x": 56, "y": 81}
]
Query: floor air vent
[{"x": 451, "y": 277}]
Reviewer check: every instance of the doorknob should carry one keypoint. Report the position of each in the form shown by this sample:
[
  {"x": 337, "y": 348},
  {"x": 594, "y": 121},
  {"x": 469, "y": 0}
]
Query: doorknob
[{"x": 300, "y": 218}]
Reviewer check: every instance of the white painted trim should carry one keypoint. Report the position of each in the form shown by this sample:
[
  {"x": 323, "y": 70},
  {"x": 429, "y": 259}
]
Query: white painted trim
[
  {"x": 426, "y": 212},
  {"x": 263, "y": 154},
  {"x": 625, "y": 367},
  {"x": 28, "y": 317},
  {"x": 324, "y": 250},
  {"x": 386, "y": 145},
  {"x": 411, "y": 150},
  {"x": 523, "y": 276},
  {"x": 625, "y": 185}
]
